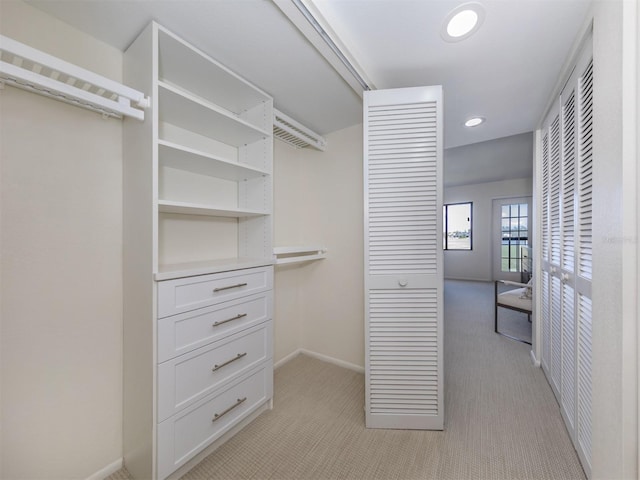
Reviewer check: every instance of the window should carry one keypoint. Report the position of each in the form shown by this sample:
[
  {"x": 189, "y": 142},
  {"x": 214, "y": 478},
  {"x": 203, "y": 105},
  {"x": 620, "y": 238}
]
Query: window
[
  {"x": 515, "y": 236},
  {"x": 457, "y": 226}
]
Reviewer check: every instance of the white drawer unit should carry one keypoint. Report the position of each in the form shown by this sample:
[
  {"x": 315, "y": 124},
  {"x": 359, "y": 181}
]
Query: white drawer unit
[
  {"x": 188, "y": 331},
  {"x": 184, "y": 380},
  {"x": 185, "y": 294},
  {"x": 190, "y": 431}
]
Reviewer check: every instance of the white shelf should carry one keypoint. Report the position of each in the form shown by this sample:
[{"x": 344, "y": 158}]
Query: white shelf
[
  {"x": 180, "y": 270},
  {"x": 184, "y": 158},
  {"x": 195, "y": 114},
  {"x": 182, "y": 64},
  {"x": 186, "y": 208}
]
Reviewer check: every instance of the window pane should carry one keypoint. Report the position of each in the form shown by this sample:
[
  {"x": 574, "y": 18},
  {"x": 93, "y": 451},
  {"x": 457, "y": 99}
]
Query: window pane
[
  {"x": 458, "y": 222},
  {"x": 515, "y": 234},
  {"x": 524, "y": 210}
]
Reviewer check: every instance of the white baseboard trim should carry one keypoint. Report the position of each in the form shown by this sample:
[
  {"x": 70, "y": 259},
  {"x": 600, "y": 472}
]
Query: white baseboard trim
[
  {"x": 319, "y": 356},
  {"x": 534, "y": 360},
  {"x": 468, "y": 279},
  {"x": 108, "y": 470},
  {"x": 335, "y": 361},
  {"x": 286, "y": 359}
]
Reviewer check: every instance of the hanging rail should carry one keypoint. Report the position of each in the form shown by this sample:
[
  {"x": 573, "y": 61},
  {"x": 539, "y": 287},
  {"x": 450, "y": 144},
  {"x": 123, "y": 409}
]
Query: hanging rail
[
  {"x": 294, "y": 133},
  {"x": 298, "y": 254},
  {"x": 39, "y": 72}
]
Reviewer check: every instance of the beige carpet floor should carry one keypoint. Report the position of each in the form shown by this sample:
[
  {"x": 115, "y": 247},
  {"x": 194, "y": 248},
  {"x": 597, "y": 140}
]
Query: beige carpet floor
[{"x": 501, "y": 419}]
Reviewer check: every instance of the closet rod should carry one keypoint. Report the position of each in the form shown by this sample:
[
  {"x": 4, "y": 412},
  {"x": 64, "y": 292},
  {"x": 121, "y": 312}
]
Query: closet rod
[
  {"x": 286, "y": 255},
  {"x": 25, "y": 67}
]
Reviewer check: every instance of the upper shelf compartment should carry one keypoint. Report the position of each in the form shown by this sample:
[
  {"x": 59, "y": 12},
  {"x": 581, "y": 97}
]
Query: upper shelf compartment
[
  {"x": 184, "y": 65},
  {"x": 185, "y": 110}
]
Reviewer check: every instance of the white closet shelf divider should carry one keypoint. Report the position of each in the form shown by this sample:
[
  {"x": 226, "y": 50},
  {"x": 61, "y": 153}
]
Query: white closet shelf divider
[
  {"x": 299, "y": 254},
  {"x": 186, "y": 208},
  {"x": 33, "y": 70},
  {"x": 188, "y": 111},
  {"x": 185, "y": 158}
]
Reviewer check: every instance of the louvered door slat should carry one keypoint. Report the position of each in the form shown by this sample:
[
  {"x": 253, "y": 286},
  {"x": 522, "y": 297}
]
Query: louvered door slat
[
  {"x": 568, "y": 182},
  {"x": 403, "y": 259},
  {"x": 556, "y": 335},
  {"x": 554, "y": 192},
  {"x": 584, "y": 376},
  {"x": 546, "y": 322},
  {"x": 585, "y": 182},
  {"x": 568, "y": 376},
  {"x": 545, "y": 240}
]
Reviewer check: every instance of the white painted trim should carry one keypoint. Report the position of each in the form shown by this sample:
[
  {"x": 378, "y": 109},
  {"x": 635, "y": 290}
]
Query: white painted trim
[
  {"x": 334, "y": 361},
  {"x": 469, "y": 279},
  {"x": 534, "y": 360},
  {"x": 629, "y": 241},
  {"x": 108, "y": 470},
  {"x": 286, "y": 359},
  {"x": 318, "y": 356}
]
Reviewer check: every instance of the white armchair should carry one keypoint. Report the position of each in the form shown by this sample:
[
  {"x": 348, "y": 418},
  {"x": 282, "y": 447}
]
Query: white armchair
[{"x": 519, "y": 299}]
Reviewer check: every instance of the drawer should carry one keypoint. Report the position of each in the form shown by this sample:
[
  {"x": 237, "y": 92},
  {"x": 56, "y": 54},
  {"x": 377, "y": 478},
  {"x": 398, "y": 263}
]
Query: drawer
[
  {"x": 187, "y": 433},
  {"x": 185, "y": 332},
  {"x": 184, "y": 380},
  {"x": 184, "y": 294}
]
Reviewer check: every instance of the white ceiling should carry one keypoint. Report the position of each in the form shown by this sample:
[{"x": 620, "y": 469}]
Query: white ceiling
[{"x": 505, "y": 72}]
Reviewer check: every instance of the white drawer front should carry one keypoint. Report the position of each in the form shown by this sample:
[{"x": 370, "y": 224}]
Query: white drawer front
[
  {"x": 184, "y": 380},
  {"x": 185, "y": 294},
  {"x": 183, "y": 333},
  {"x": 187, "y": 433}
]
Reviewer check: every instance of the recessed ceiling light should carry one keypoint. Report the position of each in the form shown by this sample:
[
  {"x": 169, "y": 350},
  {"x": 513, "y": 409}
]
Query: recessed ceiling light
[
  {"x": 474, "y": 122},
  {"x": 462, "y": 22}
]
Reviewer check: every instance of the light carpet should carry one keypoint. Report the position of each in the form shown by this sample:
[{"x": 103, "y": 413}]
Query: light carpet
[{"x": 501, "y": 418}]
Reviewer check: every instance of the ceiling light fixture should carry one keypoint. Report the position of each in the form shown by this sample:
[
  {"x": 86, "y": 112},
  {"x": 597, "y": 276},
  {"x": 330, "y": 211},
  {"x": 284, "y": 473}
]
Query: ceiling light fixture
[
  {"x": 462, "y": 22},
  {"x": 474, "y": 122}
]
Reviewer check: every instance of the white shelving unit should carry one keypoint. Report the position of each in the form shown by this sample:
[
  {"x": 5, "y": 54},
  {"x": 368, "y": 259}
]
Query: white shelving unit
[{"x": 198, "y": 255}]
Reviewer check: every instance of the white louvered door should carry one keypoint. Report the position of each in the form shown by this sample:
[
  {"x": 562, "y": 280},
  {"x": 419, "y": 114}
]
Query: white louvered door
[
  {"x": 584, "y": 257},
  {"x": 566, "y": 252},
  {"x": 403, "y": 258}
]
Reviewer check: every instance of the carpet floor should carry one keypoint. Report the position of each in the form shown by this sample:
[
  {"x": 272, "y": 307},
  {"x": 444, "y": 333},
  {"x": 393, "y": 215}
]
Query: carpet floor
[{"x": 501, "y": 418}]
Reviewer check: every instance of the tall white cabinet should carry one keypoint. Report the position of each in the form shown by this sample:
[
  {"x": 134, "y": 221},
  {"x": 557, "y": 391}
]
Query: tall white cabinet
[
  {"x": 566, "y": 245},
  {"x": 198, "y": 264},
  {"x": 403, "y": 258}
]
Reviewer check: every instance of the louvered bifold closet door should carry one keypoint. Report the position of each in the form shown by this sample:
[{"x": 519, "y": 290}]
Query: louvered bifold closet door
[
  {"x": 566, "y": 191},
  {"x": 567, "y": 257},
  {"x": 403, "y": 258},
  {"x": 545, "y": 241},
  {"x": 555, "y": 218},
  {"x": 584, "y": 257}
]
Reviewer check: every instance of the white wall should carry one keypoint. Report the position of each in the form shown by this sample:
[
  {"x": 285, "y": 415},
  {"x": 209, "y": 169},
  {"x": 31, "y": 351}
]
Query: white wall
[
  {"x": 61, "y": 270},
  {"x": 615, "y": 348},
  {"x": 325, "y": 207},
  {"x": 476, "y": 264},
  {"x": 288, "y": 214}
]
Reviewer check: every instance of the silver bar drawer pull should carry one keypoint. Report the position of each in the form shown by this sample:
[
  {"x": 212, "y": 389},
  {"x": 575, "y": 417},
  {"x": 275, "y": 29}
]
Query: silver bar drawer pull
[
  {"x": 237, "y": 357},
  {"x": 240, "y": 315},
  {"x": 238, "y": 285},
  {"x": 218, "y": 415}
]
